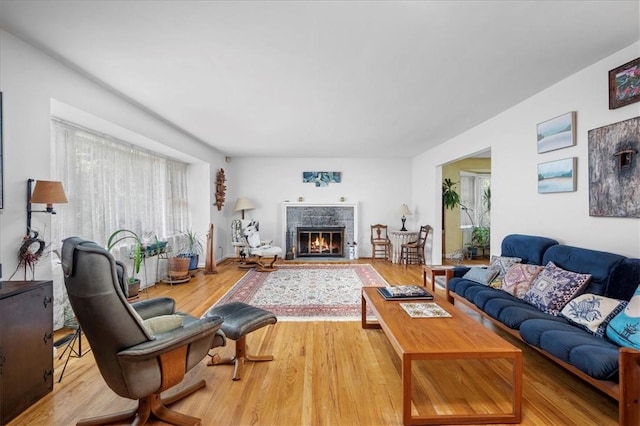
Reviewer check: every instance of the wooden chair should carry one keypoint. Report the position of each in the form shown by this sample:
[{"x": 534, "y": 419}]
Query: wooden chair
[
  {"x": 380, "y": 243},
  {"x": 413, "y": 251}
]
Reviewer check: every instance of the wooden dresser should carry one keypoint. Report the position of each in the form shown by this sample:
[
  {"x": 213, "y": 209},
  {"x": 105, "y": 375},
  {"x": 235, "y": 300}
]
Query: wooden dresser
[{"x": 26, "y": 345}]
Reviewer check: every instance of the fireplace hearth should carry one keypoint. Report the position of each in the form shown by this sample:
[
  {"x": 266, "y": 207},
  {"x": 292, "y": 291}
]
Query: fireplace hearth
[{"x": 320, "y": 241}]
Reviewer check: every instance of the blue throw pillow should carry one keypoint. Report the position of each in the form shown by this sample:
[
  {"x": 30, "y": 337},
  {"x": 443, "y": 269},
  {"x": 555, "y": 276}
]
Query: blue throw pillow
[
  {"x": 624, "y": 328},
  {"x": 481, "y": 275}
]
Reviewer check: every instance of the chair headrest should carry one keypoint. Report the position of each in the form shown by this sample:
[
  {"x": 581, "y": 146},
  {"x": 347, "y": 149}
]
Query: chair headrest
[{"x": 69, "y": 246}]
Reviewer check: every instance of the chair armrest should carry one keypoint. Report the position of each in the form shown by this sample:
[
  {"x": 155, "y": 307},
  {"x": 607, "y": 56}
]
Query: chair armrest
[
  {"x": 171, "y": 340},
  {"x": 157, "y": 306}
]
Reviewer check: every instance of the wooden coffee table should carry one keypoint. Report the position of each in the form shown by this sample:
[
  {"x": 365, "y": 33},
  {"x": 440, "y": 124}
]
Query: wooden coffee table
[{"x": 458, "y": 337}]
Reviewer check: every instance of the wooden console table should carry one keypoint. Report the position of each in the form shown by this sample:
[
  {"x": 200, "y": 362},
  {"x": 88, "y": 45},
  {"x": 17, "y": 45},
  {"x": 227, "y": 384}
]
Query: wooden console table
[{"x": 458, "y": 337}]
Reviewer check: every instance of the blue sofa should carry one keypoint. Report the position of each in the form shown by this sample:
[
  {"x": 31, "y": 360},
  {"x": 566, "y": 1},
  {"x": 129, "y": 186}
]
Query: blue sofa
[{"x": 601, "y": 362}]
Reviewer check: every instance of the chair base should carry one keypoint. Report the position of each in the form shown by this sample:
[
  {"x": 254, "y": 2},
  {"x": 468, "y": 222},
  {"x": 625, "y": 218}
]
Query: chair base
[
  {"x": 259, "y": 264},
  {"x": 152, "y": 406},
  {"x": 239, "y": 358},
  {"x": 262, "y": 267}
]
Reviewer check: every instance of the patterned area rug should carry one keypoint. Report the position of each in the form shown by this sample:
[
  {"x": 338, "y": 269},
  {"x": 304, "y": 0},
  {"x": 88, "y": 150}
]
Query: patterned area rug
[{"x": 307, "y": 292}]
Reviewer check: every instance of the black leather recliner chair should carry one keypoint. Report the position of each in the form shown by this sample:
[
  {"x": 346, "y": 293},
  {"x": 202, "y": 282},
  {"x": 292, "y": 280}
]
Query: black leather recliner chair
[{"x": 134, "y": 363}]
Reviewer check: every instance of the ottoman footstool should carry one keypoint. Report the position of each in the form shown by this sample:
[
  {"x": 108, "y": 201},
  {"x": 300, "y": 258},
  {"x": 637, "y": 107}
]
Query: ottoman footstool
[{"x": 240, "y": 319}]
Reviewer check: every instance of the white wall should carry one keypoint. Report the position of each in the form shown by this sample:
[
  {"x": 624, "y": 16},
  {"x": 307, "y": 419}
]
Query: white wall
[
  {"x": 29, "y": 80},
  {"x": 379, "y": 186},
  {"x": 516, "y": 205}
]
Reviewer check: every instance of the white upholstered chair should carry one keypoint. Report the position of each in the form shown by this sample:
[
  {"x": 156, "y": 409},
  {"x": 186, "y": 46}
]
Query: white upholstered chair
[{"x": 245, "y": 237}]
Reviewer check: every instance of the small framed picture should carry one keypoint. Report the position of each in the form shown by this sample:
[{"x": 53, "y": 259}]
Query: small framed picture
[
  {"x": 624, "y": 84},
  {"x": 557, "y": 133},
  {"x": 557, "y": 176}
]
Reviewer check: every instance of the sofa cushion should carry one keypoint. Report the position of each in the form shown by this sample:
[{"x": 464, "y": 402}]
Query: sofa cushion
[
  {"x": 518, "y": 279},
  {"x": 461, "y": 286},
  {"x": 482, "y": 296},
  {"x": 513, "y": 316},
  {"x": 623, "y": 280},
  {"x": 481, "y": 275},
  {"x": 509, "y": 310},
  {"x": 624, "y": 328},
  {"x": 530, "y": 249},
  {"x": 600, "y": 265},
  {"x": 592, "y": 355},
  {"x": 554, "y": 287},
  {"x": 592, "y": 312}
]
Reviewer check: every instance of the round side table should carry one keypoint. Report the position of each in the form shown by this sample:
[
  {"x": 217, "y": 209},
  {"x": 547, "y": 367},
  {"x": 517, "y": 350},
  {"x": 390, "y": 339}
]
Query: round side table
[{"x": 398, "y": 238}]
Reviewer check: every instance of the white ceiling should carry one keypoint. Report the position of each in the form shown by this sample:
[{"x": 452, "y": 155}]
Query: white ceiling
[{"x": 325, "y": 78}]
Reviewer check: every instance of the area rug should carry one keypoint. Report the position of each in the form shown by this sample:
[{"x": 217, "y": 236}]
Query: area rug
[{"x": 307, "y": 292}]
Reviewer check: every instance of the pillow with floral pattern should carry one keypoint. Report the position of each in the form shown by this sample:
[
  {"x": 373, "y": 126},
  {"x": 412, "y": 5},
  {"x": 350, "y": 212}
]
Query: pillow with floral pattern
[{"x": 518, "y": 279}]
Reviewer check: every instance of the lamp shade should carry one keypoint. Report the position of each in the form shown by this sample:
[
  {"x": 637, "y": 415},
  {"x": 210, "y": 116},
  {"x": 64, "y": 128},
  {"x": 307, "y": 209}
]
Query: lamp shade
[
  {"x": 243, "y": 203},
  {"x": 49, "y": 193},
  {"x": 405, "y": 210}
]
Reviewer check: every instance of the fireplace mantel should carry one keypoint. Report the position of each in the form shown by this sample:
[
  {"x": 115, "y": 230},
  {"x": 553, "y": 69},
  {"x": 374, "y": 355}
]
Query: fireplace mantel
[{"x": 295, "y": 214}]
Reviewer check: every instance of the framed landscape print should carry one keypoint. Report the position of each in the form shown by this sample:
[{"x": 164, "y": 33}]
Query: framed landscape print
[
  {"x": 557, "y": 133},
  {"x": 557, "y": 176},
  {"x": 624, "y": 84}
]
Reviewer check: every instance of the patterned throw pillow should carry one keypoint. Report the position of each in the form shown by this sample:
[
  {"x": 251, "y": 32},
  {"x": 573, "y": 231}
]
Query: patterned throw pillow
[
  {"x": 518, "y": 279},
  {"x": 554, "y": 287},
  {"x": 501, "y": 264},
  {"x": 593, "y": 312},
  {"x": 624, "y": 328},
  {"x": 480, "y": 275}
]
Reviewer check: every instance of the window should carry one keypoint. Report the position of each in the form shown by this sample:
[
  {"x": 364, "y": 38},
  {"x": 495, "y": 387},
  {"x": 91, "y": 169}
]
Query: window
[
  {"x": 111, "y": 185},
  {"x": 475, "y": 200}
]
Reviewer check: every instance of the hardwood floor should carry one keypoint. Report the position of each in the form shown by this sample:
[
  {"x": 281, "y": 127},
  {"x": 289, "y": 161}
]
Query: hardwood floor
[{"x": 326, "y": 373}]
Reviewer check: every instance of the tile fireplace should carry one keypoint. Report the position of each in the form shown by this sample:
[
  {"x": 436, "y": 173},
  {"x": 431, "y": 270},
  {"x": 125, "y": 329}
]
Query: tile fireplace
[{"x": 336, "y": 223}]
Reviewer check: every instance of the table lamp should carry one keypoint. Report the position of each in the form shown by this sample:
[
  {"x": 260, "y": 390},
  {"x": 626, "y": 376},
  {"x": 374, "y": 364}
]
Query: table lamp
[
  {"x": 242, "y": 204},
  {"x": 405, "y": 212}
]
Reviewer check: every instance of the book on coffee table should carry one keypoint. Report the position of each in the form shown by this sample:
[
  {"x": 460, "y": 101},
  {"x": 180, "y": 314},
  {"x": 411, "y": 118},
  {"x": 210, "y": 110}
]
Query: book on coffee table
[
  {"x": 425, "y": 310},
  {"x": 404, "y": 292}
]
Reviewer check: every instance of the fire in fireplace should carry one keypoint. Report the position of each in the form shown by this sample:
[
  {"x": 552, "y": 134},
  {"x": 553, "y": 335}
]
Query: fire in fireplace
[{"x": 324, "y": 241}]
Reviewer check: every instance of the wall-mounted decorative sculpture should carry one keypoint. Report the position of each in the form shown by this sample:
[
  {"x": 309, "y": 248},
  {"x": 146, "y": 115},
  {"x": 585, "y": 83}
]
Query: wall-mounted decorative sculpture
[{"x": 220, "y": 189}]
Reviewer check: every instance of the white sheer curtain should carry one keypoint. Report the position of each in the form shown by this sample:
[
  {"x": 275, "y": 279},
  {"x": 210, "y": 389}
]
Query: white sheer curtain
[{"x": 111, "y": 185}]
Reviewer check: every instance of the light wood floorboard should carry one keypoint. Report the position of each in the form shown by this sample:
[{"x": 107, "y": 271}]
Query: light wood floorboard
[{"x": 328, "y": 373}]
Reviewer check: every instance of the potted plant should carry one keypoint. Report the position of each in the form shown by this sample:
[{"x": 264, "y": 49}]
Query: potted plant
[
  {"x": 192, "y": 247},
  {"x": 481, "y": 235},
  {"x": 136, "y": 254},
  {"x": 450, "y": 197}
]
